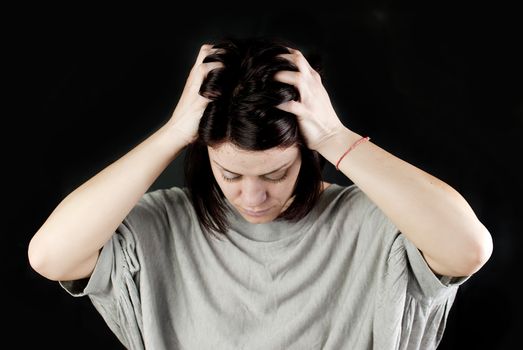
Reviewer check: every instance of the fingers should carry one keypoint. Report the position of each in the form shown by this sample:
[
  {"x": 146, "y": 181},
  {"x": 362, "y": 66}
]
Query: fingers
[
  {"x": 200, "y": 70},
  {"x": 293, "y": 107},
  {"x": 205, "y": 50},
  {"x": 205, "y": 68},
  {"x": 288, "y": 77},
  {"x": 298, "y": 59},
  {"x": 304, "y": 69}
]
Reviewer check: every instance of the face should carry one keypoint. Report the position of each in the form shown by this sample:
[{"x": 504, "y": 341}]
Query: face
[{"x": 261, "y": 181}]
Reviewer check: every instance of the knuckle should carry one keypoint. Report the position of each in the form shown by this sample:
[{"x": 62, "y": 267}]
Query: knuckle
[
  {"x": 298, "y": 55},
  {"x": 299, "y": 78},
  {"x": 200, "y": 68},
  {"x": 299, "y": 59},
  {"x": 209, "y": 66}
]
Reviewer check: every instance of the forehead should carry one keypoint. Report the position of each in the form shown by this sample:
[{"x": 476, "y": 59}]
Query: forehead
[{"x": 252, "y": 162}]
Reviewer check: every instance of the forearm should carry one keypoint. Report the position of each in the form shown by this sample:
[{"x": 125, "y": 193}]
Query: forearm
[
  {"x": 85, "y": 219},
  {"x": 434, "y": 216}
]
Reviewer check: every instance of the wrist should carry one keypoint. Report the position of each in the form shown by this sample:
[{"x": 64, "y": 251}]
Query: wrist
[
  {"x": 337, "y": 145},
  {"x": 173, "y": 137},
  {"x": 177, "y": 133}
]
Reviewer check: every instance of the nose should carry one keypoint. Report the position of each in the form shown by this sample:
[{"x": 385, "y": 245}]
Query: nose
[{"x": 253, "y": 194}]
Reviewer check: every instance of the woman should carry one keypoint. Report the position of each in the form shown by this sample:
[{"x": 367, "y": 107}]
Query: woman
[{"x": 256, "y": 252}]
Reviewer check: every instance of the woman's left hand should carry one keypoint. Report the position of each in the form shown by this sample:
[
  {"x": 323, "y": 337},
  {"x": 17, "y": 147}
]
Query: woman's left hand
[{"x": 316, "y": 116}]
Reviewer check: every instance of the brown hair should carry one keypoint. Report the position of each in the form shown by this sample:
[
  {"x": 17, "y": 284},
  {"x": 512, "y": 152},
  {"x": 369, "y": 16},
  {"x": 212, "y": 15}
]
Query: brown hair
[{"x": 242, "y": 111}]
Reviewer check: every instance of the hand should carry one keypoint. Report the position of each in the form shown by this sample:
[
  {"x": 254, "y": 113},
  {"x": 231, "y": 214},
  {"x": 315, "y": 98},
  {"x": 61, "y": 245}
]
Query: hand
[
  {"x": 316, "y": 116},
  {"x": 189, "y": 110}
]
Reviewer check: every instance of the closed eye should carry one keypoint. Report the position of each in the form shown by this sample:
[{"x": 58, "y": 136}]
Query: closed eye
[{"x": 232, "y": 179}]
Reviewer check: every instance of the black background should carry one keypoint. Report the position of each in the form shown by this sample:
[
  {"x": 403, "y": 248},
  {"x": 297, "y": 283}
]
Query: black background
[{"x": 438, "y": 87}]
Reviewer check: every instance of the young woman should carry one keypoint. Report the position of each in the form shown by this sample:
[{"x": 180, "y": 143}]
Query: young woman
[{"x": 257, "y": 252}]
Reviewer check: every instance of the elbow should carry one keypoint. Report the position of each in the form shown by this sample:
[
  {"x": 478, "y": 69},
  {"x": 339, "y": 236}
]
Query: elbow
[
  {"x": 48, "y": 259},
  {"x": 485, "y": 249},
  {"x": 38, "y": 260},
  {"x": 479, "y": 252}
]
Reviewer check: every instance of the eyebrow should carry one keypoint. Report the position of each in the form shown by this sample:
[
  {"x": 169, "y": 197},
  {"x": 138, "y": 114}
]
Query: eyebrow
[{"x": 270, "y": 172}]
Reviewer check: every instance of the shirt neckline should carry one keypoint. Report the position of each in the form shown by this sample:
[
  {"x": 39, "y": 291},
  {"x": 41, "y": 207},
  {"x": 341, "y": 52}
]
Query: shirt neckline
[{"x": 274, "y": 233}]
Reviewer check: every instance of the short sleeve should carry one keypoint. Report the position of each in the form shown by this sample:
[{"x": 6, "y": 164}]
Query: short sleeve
[
  {"x": 129, "y": 265},
  {"x": 403, "y": 258},
  {"x": 424, "y": 282},
  {"x": 414, "y": 303},
  {"x": 113, "y": 287}
]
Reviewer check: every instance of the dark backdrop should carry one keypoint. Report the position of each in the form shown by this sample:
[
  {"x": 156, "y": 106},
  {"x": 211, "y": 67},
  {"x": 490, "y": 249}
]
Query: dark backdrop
[{"x": 439, "y": 88}]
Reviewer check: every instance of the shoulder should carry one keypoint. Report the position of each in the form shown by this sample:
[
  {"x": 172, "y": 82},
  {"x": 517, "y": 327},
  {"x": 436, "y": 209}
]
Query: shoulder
[
  {"x": 337, "y": 192},
  {"x": 160, "y": 204},
  {"x": 162, "y": 212},
  {"x": 164, "y": 197},
  {"x": 347, "y": 200}
]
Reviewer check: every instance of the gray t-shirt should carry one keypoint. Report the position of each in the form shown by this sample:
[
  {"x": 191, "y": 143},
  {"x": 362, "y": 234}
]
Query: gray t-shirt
[{"x": 343, "y": 277}]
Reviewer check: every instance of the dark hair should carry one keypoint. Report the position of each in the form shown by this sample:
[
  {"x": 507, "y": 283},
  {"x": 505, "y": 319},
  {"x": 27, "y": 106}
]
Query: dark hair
[{"x": 242, "y": 111}]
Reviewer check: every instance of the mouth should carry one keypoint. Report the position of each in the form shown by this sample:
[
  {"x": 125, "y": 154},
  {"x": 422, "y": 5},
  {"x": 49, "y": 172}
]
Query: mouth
[{"x": 255, "y": 213}]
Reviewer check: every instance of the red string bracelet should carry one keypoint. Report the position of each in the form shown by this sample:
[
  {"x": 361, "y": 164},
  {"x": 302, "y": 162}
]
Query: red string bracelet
[{"x": 363, "y": 139}]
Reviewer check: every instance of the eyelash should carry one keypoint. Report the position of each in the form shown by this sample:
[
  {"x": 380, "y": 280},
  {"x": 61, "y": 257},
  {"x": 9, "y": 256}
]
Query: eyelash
[{"x": 236, "y": 178}]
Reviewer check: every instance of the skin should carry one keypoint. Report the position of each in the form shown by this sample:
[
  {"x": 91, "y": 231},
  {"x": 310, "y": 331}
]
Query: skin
[
  {"x": 429, "y": 212},
  {"x": 252, "y": 187},
  {"x": 433, "y": 215},
  {"x": 67, "y": 245}
]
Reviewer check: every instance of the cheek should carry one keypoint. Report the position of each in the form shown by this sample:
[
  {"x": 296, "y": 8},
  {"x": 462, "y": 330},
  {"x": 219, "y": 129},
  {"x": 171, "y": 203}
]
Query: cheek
[
  {"x": 229, "y": 189},
  {"x": 276, "y": 191}
]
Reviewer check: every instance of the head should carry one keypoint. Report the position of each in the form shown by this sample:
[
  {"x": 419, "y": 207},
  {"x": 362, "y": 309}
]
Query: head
[{"x": 248, "y": 152}]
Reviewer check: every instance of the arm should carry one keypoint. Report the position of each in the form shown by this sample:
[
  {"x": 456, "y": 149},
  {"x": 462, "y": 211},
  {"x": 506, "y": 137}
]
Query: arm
[
  {"x": 432, "y": 215},
  {"x": 67, "y": 245}
]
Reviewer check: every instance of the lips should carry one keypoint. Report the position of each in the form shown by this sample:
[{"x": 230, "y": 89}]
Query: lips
[{"x": 256, "y": 213}]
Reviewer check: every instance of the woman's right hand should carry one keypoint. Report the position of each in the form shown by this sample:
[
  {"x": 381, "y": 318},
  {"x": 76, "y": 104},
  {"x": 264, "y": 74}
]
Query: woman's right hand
[{"x": 189, "y": 110}]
